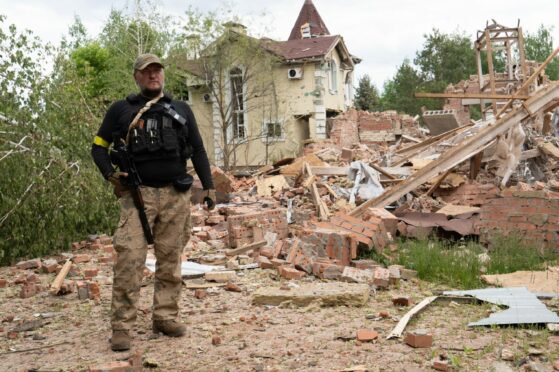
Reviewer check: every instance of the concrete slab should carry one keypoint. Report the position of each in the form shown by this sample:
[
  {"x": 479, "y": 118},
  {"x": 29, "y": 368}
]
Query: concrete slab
[{"x": 327, "y": 294}]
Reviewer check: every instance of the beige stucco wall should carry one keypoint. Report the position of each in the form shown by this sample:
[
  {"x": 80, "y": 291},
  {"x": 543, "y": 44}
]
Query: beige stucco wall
[{"x": 296, "y": 106}]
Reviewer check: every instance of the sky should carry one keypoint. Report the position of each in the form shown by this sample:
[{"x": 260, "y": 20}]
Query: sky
[{"x": 380, "y": 32}]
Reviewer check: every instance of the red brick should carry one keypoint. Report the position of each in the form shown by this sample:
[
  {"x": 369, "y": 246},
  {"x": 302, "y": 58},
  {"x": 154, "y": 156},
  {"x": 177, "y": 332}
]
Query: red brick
[
  {"x": 29, "y": 290},
  {"x": 290, "y": 273},
  {"x": 29, "y": 264},
  {"x": 441, "y": 365},
  {"x": 113, "y": 367},
  {"x": 90, "y": 273},
  {"x": 200, "y": 294},
  {"x": 382, "y": 277},
  {"x": 277, "y": 262},
  {"x": 419, "y": 339},
  {"x": 267, "y": 252},
  {"x": 94, "y": 291},
  {"x": 264, "y": 263},
  {"x": 49, "y": 266},
  {"x": 3, "y": 283},
  {"x": 365, "y": 335},
  {"x": 81, "y": 258},
  {"x": 402, "y": 301},
  {"x": 232, "y": 287}
]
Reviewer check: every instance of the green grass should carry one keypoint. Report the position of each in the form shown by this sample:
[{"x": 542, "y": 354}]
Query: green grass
[
  {"x": 456, "y": 264},
  {"x": 443, "y": 262}
]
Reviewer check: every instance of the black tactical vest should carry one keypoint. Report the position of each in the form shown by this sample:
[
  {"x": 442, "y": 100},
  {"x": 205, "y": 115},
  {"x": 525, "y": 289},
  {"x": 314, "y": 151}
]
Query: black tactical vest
[{"x": 158, "y": 135}]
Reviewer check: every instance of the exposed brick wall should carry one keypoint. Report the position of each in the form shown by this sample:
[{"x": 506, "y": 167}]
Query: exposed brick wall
[
  {"x": 533, "y": 215},
  {"x": 370, "y": 127},
  {"x": 345, "y": 128},
  {"x": 248, "y": 228},
  {"x": 471, "y": 193}
]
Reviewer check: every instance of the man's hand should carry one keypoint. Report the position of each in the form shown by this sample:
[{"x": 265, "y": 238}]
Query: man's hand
[
  {"x": 209, "y": 199},
  {"x": 115, "y": 179}
]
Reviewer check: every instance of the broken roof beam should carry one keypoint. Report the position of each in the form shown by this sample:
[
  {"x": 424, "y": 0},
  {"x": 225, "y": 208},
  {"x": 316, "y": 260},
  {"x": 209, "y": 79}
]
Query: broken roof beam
[
  {"x": 529, "y": 81},
  {"x": 469, "y": 95},
  {"x": 460, "y": 153}
]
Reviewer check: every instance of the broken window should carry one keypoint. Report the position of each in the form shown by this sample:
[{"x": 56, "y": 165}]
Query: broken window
[
  {"x": 273, "y": 131},
  {"x": 333, "y": 76},
  {"x": 237, "y": 103},
  {"x": 306, "y": 31}
]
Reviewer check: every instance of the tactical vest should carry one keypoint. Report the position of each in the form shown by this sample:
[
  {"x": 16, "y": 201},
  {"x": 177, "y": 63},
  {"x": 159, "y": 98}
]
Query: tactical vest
[{"x": 158, "y": 135}]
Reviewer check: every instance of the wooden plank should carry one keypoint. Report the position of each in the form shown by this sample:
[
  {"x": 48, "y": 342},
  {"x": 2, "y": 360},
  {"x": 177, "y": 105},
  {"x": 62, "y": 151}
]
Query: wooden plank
[
  {"x": 330, "y": 190},
  {"x": 410, "y": 138},
  {"x": 55, "y": 286},
  {"x": 549, "y": 149},
  {"x": 329, "y": 171},
  {"x": 438, "y": 183},
  {"x": 475, "y": 165},
  {"x": 464, "y": 151},
  {"x": 491, "y": 69},
  {"x": 529, "y": 154},
  {"x": 322, "y": 209},
  {"x": 469, "y": 95},
  {"x": 382, "y": 171},
  {"x": 245, "y": 248},
  {"x": 529, "y": 81}
]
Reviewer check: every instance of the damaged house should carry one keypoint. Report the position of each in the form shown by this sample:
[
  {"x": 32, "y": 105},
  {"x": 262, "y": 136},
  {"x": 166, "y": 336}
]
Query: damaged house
[{"x": 259, "y": 100}]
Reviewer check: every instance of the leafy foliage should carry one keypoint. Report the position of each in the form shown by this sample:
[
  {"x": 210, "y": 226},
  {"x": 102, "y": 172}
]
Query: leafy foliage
[
  {"x": 539, "y": 46},
  {"x": 53, "y": 195},
  {"x": 366, "y": 95}
]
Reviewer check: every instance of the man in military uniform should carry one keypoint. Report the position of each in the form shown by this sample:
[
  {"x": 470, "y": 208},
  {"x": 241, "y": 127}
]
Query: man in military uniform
[{"x": 160, "y": 135}]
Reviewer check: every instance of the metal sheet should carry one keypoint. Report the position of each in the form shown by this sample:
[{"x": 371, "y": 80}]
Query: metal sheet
[
  {"x": 523, "y": 306},
  {"x": 188, "y": 269}
]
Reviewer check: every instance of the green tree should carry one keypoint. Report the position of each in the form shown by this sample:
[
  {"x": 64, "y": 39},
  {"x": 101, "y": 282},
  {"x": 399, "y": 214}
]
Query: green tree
[
  {"x": 539, "y": 46},
  {"x": 366, "y": 95},
  {"x": 445, "y": 59},
  {"x": 399, "y": 92}
]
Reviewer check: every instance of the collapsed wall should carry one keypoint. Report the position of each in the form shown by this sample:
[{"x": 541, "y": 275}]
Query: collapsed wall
[
  {"x": 366, "y": 127},
  {"x": 531, "y": 215}
]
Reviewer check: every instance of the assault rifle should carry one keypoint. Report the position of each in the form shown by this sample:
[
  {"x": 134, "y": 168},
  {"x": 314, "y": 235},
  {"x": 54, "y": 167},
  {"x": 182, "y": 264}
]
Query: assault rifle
[{"x": 121, "y": 158}]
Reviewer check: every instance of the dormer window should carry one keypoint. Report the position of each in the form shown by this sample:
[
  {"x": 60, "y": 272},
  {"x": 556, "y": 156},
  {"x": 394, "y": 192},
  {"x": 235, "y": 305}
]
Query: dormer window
[{"x": 306, "y": 31}]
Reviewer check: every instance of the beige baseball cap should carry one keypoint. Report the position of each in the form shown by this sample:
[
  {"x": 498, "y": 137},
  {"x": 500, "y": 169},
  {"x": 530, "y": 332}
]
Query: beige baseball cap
[{"x": 144, "y": 60}]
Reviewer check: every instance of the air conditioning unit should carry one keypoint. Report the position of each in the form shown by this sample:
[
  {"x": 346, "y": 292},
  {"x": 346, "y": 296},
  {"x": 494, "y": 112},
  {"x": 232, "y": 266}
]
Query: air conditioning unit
[
  {"x": 295, "y": 73},
  {"x": 207, "y": 98}
]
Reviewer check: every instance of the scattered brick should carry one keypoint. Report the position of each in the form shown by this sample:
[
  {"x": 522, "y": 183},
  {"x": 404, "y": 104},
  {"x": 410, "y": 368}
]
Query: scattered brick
[
  {"x": 29, "y": 264},
  {"x": 365, "y": 335},
  {"x": 381, "y": 278},
  {"x": 290, "y": 273},
  {"x": 49, "y": 266},
  {"x": 402, "y": 301},
  {"x": 90, "y": 273},
  {"x": 267, "y": 252},
  {"x": 121, "y": 366},
  {"x": 216, "y": 340},
  {"x": 3, "y": 283},
  {"x": 419, "y": 338},
  {"x": 29, "y": 290},
  {"x": 232, "y": 287},
  {"x": 200, "y": 294},
  {"x": 82, "y": 258},
  {"x": 384, "y": 314},
  {"x": 264, "y": 263},
  {"x": 94, "y": 291}
]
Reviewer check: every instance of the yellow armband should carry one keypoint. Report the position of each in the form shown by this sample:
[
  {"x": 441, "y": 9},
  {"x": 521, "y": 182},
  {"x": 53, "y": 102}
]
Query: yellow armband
[{"x": 100, "y": 142}]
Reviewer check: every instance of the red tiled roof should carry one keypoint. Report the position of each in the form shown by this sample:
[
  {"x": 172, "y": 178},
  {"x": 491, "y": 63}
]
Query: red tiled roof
[
  {"x": 308, "y": 14},
  {"x": 303, "y": 48}
]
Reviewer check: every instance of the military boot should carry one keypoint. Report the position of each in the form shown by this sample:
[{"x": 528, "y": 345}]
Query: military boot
[
  {"x": 169, "y": 327},
  {"x": 120, "y": 341}
]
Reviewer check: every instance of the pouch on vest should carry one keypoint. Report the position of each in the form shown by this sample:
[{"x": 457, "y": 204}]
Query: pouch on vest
[{"x": 183, "y": 184}]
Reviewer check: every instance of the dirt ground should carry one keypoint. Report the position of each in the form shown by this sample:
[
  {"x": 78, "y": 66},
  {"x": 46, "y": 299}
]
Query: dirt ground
[{"x": 261, "y": 338}]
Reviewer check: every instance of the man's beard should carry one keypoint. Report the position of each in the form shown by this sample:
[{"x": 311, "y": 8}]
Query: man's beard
[{"x": 151, "y": 93}]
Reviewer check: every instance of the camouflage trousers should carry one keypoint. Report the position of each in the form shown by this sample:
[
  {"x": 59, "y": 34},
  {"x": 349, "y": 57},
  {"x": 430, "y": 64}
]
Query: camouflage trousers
[{"x": 168, "y": 213}]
